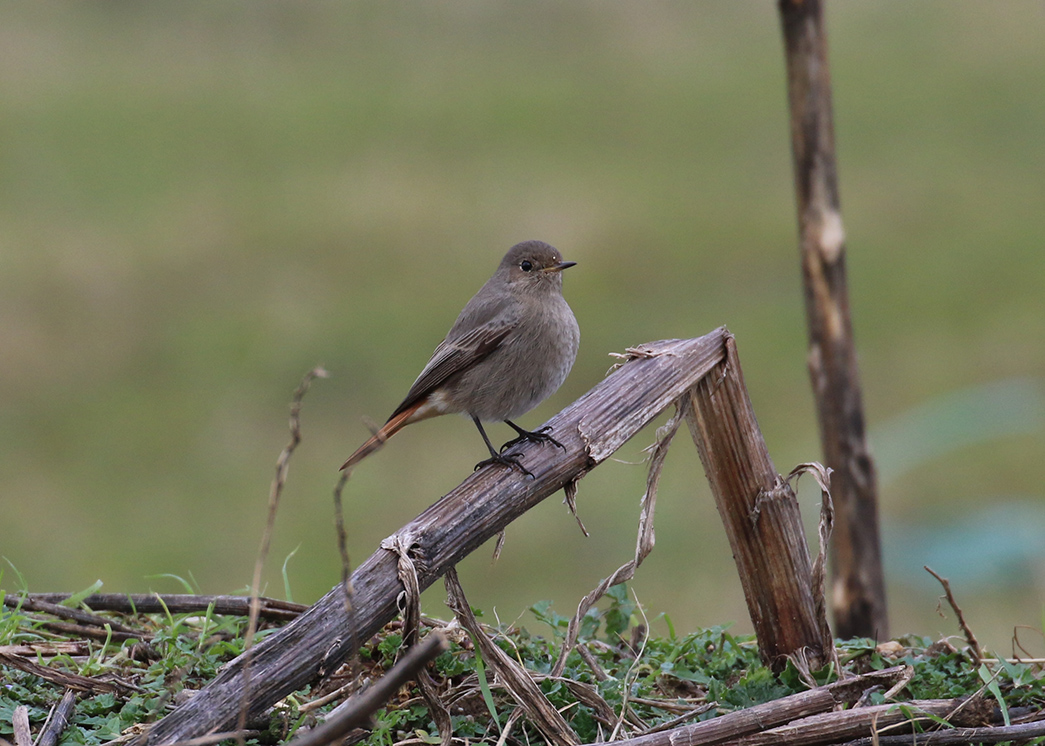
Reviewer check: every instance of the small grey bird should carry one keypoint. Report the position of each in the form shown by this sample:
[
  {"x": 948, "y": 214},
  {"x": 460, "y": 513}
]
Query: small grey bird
[{"x": 512, "y": 346}]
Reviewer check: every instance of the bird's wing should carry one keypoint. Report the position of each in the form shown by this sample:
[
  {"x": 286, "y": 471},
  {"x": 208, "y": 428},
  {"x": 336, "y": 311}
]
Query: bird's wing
[{"x": 452, "y": 357}]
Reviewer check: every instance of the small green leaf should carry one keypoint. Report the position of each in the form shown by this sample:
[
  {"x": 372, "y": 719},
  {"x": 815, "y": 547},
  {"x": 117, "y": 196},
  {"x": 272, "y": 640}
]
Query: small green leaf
[
  {"x": 286, "y": 577},
  {"x": 77, "y": 598},
  {"x": 991, "y": 681},
  {"x": 484, "y": 685}
]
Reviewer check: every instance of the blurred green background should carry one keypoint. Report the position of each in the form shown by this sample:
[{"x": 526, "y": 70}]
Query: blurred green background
[{"x": 200, "y": 201}]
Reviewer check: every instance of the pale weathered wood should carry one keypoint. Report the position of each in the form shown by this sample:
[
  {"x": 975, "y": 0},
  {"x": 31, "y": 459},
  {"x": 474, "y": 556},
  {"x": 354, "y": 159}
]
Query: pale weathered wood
[
  {"x": 1022, "y": 733},
  {"x": 591, "y": 429},
  {"x": 839, "y": 727},
  {"x": 59, "y": 721},
  {"x": 761, "y": 517},
  {"x": 20, "y": 724},
  {"x": 760, "y": 717},
  {"x": 858, "y": 595}
]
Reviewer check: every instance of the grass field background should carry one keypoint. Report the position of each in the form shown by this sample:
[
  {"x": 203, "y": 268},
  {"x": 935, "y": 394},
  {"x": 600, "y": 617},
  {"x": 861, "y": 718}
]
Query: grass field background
[{"x": 201, "y": 201}]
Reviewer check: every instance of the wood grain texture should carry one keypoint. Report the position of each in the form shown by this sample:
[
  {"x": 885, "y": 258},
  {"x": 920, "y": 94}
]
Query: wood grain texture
[
  {"x": 591, "y": 429},
  {"x": 761, "y": 517},
  {"x": 858, "y": 592},
  {"x": 732, "y": 726}
]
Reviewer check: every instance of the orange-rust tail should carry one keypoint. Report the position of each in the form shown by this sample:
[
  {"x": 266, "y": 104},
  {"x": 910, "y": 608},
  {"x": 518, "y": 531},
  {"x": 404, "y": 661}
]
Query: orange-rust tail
[{"x": 378, "y": 439}]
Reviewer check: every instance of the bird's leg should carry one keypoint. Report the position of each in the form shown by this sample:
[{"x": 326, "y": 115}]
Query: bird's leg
[
  {"x": 540, "y": 435},
  {"x": 512, "y": 462}
]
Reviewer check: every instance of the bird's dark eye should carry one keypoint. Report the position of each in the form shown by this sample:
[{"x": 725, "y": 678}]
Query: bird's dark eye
[{"x": 526, "y": 265}]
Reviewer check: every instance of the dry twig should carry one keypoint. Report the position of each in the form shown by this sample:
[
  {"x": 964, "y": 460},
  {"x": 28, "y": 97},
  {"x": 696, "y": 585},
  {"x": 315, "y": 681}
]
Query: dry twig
[
  {"x": 355, "y": 712},
  {"x": 822, "y": 476},
  {"x": 342, "y": 539},
  {"x": 734, "y": 725},
  {"x": 35, "y": 602},
  {"x": 644, "y": 543},
  {"x": 1015, "y": 733},
  {"x": 58, "y": 720},
  {"x": 974, "y": 646},
  {"x": 275, "y": 491},
  {"x": 64, "y": 678},
  {"x": 845, "y": 725},
  {"x": 175, "y": 603},
  {"x": 513, "y": 676}
]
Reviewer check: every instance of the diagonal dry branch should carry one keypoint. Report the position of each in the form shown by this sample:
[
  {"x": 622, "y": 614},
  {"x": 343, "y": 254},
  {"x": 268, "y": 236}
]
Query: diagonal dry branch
[
  {"x": 356, "y": 711},
  {"x": 511, "y": 674},
  {"x": 590, "y": 429}
]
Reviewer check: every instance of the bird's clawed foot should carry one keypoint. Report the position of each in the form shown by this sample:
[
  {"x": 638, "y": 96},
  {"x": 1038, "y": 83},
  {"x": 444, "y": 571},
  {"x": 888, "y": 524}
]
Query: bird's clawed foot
[
  {"x": 540, "y": 435},
  {"x": 512, "y": 462}
]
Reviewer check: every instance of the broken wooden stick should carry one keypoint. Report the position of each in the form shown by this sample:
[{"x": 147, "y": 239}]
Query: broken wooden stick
[
  {"x": 734, "y": 725},
  {"x": 590, "y": 429},
  {"x": 858, "y": 586},
  {"x": 761, "y": 516}
]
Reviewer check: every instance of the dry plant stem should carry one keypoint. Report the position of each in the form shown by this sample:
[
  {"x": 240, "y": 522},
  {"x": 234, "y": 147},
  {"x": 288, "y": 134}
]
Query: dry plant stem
[
  {"x": 592, "y": 663},
  {"x": 342, "y": 539},
  {"x": 733, "y": 725},
  {"x": 858, "y": 594},
  {"x": 351, "y": 687},
  {"x": 643, "y": 545},
  {"x": 34, "y": 602},
  {"x": 591, "y": 429},
  {"x": 512, "y": 720},
  {"x": 974, "y": 646},
  {"x": 20, "y": 724},
  {"x": 570, "y": 501},
  {"x": 511, "y": 674},
  {"x": 79, "y": 630},
  {"x": 836, "y": 727},
  {"x": 682, "y": 719},
  {"x": 178, "y": 603},
  {"x": 355, "y": 712},
  {"x": 59, "y": 720},
  {"x": 63, "y": 678},
  {"x": 410, "y": 608},
  {"x": 275, "y": 491},
  {"x": 1015, "y": 733},
  {"x": 212, "y": 738},
  {"x": 824, "y": 529},
  {"x": 761, "y": 517},
  {"x": 47, "y": 649}
]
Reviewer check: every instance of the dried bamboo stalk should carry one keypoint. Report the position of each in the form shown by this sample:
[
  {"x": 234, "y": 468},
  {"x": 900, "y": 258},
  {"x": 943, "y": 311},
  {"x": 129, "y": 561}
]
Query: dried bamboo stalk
[
  {"x": 891, "y": 718},
  {"x": 590, "y": 429},
  {"x": 751, "y": 720},
  {"x": 858, "y": 593},
  {"x": 761, "y": 517}
]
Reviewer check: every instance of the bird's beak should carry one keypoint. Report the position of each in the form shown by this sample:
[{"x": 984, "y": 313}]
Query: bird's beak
[{"x": 559, "y": 267}]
